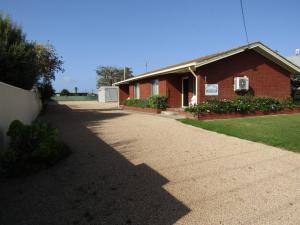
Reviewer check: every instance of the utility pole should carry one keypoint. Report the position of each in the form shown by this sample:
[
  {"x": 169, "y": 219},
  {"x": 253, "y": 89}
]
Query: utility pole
[{"x": 146, "y": 67}]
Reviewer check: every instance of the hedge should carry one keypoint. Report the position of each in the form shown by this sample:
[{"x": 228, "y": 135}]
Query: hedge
[
  {"x": 243, "y": 104},
  {"x": 154, "y": 102}
]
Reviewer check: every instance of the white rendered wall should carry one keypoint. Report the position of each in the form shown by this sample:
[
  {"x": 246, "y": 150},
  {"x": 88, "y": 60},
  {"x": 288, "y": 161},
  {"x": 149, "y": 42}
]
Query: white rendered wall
[{"x": 16, "y": 104}]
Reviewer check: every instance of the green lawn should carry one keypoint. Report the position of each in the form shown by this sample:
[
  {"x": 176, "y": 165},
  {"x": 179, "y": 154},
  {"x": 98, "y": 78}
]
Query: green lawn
[{"x": 280, "y": 131}]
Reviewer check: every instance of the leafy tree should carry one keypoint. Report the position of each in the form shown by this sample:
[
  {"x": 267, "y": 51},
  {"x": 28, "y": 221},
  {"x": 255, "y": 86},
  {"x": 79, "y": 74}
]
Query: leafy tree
[
  {"x": 64, "y": 92},
  {"x": 48, "y": 62},
  {"x": 18, "y": 57},
  {"x": 107, "y": 75},
  {"x": 24, "y": 63}
]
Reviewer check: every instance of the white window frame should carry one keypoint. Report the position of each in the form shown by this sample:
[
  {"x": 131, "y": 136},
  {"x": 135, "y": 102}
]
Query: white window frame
[
  {"x": 155, "y": 84},
  {"x": 136, "y": 90}
]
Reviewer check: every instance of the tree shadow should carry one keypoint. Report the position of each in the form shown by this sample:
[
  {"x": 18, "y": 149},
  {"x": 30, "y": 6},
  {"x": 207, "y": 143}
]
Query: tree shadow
[{"x": 95, "y": 185}]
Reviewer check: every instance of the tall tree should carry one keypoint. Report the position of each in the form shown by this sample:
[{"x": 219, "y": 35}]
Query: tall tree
[
  {"x": 48, "y": 62},
  {"x": 18, "y": 58},
  {"x": 25, "y": 63},
  {"x": 107, "y": 75}
]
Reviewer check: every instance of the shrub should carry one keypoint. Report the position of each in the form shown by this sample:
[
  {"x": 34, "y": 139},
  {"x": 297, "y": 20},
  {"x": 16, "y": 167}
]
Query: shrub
[
  {"x": 267, "y": 104},
  {"x": 32, "y": 148},
  {"x": 155, "y": 102},
  {"x": 142, "y": 103},
  {"x": 296, "y": 95},
  {"x": 46, "y": 92},
  {"x": 242, "y": 104},
  {"x": 158, "y": 102}
]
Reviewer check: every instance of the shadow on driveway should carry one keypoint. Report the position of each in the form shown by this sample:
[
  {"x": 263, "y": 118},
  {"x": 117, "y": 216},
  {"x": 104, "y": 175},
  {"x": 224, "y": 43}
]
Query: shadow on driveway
[{"x": 95, "y": 185}]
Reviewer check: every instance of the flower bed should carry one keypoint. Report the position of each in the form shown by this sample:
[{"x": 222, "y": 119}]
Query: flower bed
[
  {"x": 213, "y": 116},
  {"x": 241, "y": 107}
]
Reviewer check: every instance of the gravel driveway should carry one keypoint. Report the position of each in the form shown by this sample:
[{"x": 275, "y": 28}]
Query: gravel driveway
[{"x": 134, "y": 168}]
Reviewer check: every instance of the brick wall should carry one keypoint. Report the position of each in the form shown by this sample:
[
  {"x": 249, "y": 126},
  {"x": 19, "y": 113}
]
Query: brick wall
[
  {"x": 174, "y": 88},
  {"x": 266, "y": 79},
  {"x": 131, "y": 90},
  {"x": 123, "y": 93}
]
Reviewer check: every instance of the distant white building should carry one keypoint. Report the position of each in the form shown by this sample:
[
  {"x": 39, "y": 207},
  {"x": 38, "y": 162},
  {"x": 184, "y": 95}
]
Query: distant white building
[{"x": 108, "y": 94}]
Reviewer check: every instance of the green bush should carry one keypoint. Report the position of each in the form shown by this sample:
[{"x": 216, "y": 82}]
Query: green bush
[
  {"x": 155, "y": 102},
  {"x": 158, "y": 102},
  {"x": 242, "y": 104},
  {"x": 32, "y": 148},
  {"x": 296, "y": 95},
  {"x": 141, "y": 103}
]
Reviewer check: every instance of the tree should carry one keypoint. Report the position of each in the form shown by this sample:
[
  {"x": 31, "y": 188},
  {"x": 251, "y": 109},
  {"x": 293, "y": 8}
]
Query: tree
[
  {"x": 107, "y": 75},
  {"x": 24, "y": 63},
  {"x": 64, "y": 92},
  {"x": 48, "y": 62},
  {"x": 18, "y": 58},
  {"x": 46, "y": 92}
]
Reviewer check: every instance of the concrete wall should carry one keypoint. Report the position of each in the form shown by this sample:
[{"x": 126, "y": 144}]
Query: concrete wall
[{"x": 16, "y": 104}]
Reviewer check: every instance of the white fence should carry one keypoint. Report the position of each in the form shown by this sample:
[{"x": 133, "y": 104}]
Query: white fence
[{"x": 16, "y": 104}]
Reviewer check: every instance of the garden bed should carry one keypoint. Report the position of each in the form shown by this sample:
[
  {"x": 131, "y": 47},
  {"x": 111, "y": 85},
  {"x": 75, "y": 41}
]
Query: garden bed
[
  {"x": 147, "y": 110},
  {"x": 242, "y": 106},
  {"x": 213, "y": 116}
]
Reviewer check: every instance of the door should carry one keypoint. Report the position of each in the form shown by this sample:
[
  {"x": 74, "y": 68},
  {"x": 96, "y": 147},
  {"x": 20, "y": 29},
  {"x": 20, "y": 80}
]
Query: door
[{"x": 185, "y": 92}]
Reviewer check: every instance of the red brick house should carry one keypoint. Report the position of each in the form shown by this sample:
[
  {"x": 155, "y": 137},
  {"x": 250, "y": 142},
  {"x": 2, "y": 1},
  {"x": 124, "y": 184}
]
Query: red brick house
[{"x": 263, "y": 72}]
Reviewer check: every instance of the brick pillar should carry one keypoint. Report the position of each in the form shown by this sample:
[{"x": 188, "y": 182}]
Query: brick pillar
[{"x": 201, "y": 87}]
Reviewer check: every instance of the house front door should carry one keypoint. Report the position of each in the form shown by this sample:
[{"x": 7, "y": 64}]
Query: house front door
[{"x": 185, "y": 92}]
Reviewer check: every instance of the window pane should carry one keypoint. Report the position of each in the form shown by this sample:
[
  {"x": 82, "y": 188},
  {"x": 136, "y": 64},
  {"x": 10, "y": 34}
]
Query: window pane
[
  {"x": 136, "y": 90},
  {"x": 154, "y": 87}
]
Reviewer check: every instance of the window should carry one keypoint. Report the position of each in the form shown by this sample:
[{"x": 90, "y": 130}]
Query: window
[
  {"x": 154, "y": 87},
  {"x": 137, "y": 90}
]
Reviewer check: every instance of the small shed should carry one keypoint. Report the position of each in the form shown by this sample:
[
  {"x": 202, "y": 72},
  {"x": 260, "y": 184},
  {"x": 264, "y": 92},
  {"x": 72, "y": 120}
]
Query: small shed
[{"x": 108, "y": 94}]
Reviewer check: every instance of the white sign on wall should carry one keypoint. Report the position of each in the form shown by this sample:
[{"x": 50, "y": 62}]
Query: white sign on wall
[{"x": 211, "y": 89}]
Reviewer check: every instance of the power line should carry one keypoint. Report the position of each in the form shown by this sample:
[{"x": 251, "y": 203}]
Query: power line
[{"x": 244, "y": 21}]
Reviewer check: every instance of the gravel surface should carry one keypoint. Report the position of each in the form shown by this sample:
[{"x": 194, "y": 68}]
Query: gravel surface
[{"x": 136, "y": 168}]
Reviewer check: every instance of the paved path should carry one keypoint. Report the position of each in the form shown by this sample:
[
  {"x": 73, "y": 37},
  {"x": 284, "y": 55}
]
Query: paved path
[{"x": 134, "y": 168}]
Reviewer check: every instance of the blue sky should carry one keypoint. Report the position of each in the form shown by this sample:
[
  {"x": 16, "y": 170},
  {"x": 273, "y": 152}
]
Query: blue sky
[{"x": 132, "y": 32}]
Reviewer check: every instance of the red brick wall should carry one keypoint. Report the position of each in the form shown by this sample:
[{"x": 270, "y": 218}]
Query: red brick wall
[
  {"x": 123, "y": 93},
  {"x": 131, "y": 90},
  {"x": 145, "y": 88},
  {"x": 169, "y": 85},
  {"x": 174, "y": 88},
  {"x": 266, "y": 79},
  {"x": 163, "y": 86}
]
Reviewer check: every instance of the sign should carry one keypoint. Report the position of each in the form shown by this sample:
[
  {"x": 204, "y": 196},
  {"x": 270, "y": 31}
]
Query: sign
[{"x": 211, "y": 89}]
